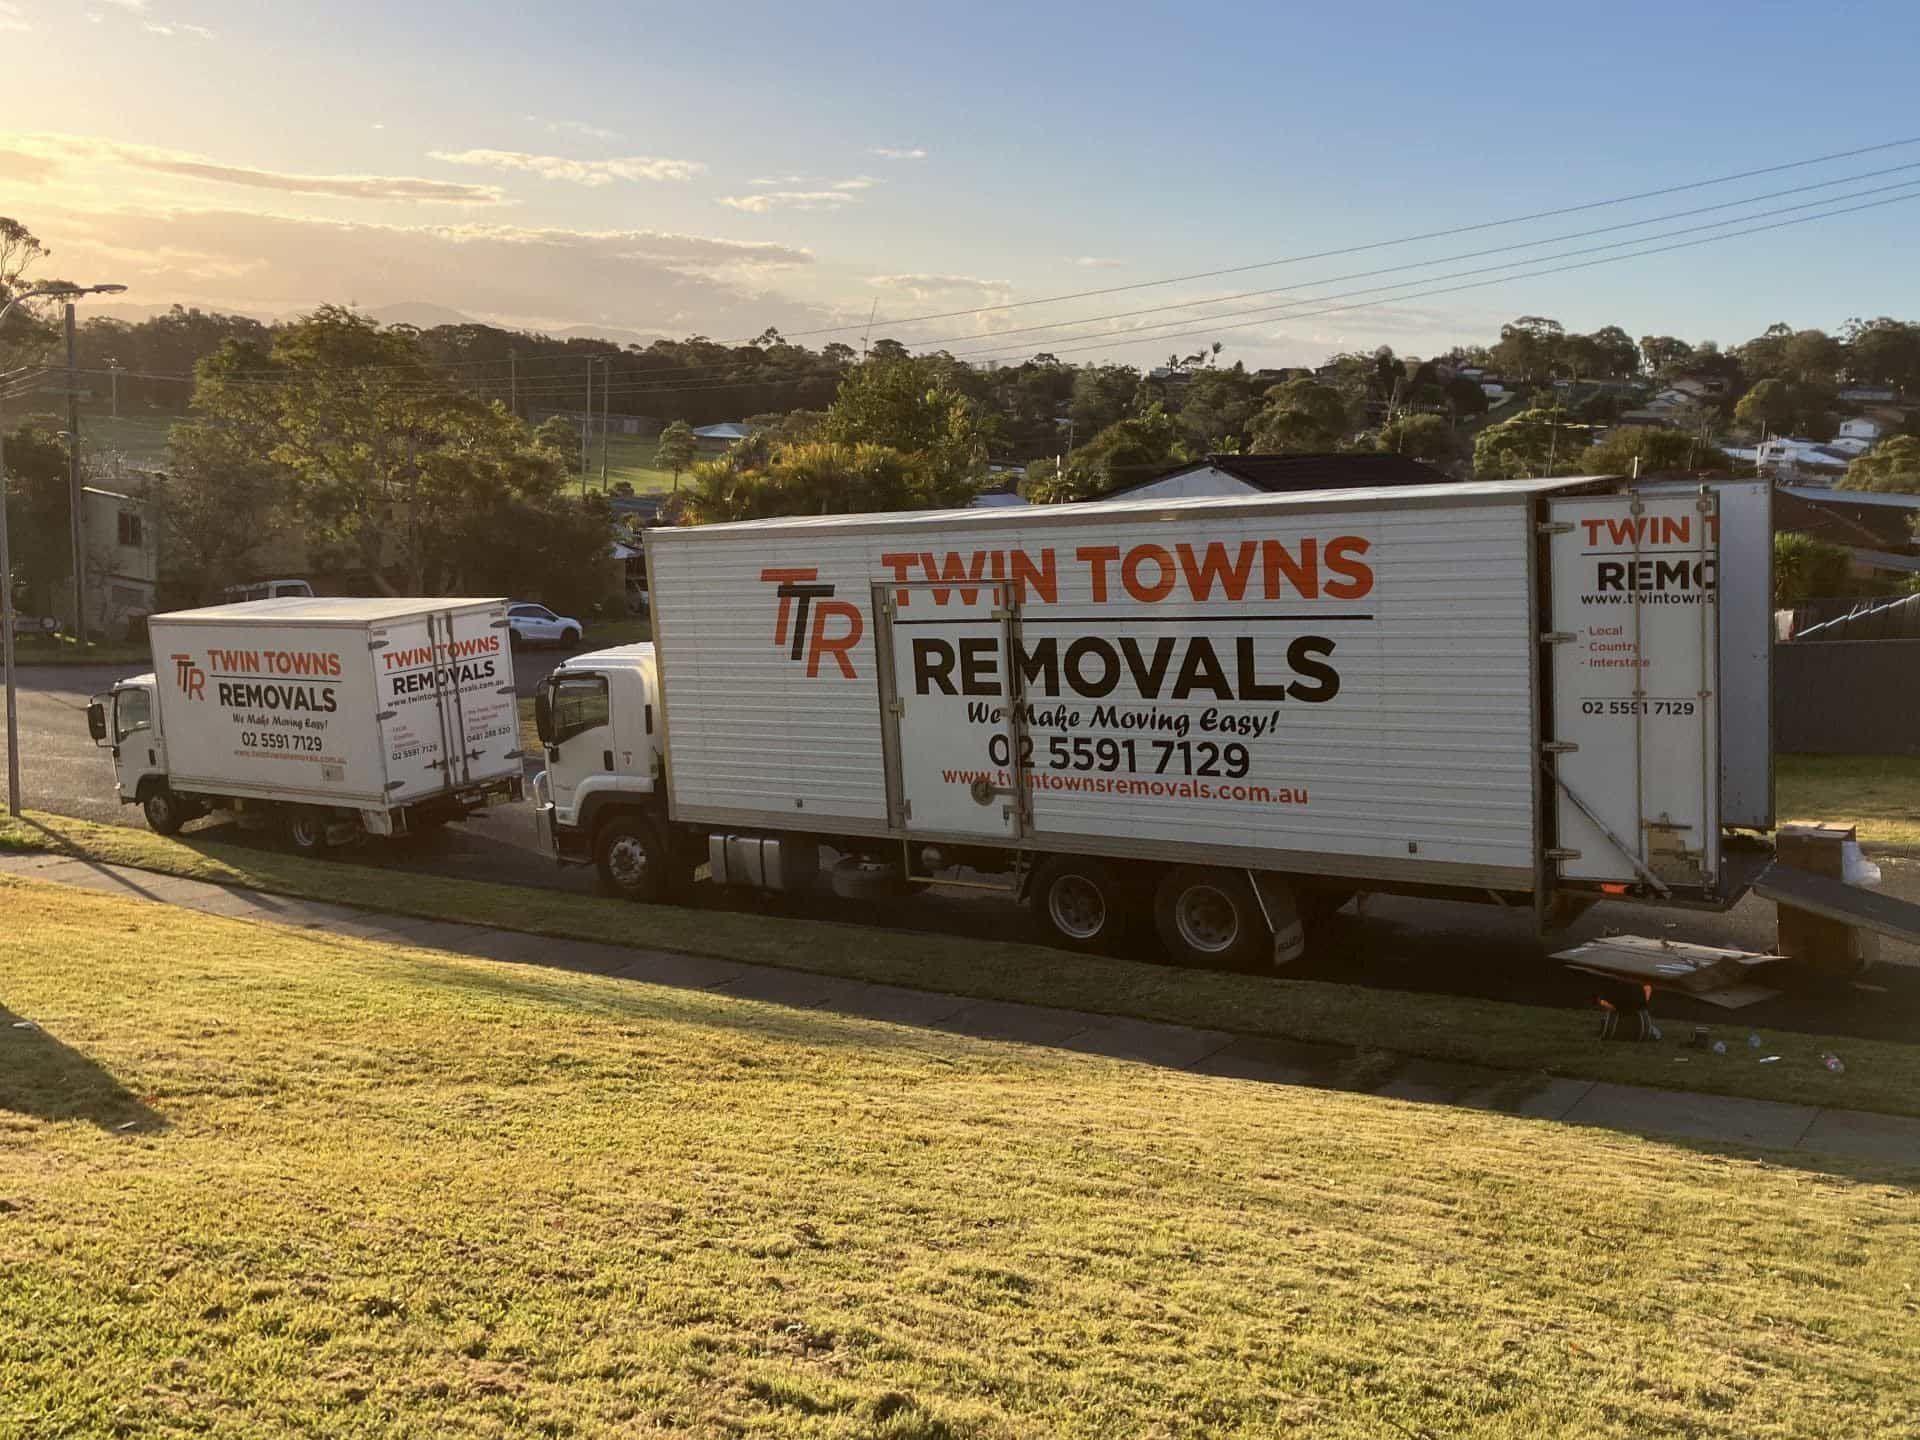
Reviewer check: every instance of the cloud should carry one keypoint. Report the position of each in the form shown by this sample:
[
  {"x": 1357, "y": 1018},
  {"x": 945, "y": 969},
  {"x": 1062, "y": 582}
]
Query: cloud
[
  {"x": 768, "y": 200},
  {"x": 929, "y": 287},
  {"x": 134, "y": 5},
  {"x": 858, "y": 182},
  {"x": 573, "y": 127},
  {"x": 895, "y": 152},
  {"x": 1097, "y": 262},
  {"x": 11, "y": 18},
  {"x": 548, "y": 278},
  {"x": 579, "y": 172},
  {"x": 195, "y": 167},
  {"x": 18, "y": 165}
]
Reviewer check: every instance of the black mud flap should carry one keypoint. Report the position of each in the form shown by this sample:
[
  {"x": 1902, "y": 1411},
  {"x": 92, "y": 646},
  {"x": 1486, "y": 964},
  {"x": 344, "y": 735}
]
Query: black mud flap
[{"x": 1835, "y": 900}]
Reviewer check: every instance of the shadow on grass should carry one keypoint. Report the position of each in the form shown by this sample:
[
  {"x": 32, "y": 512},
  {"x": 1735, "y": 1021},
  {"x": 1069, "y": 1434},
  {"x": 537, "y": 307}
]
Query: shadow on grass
[
  {"x": 1281, "y": 1064},
  {"x": 45, "y": 1079}
]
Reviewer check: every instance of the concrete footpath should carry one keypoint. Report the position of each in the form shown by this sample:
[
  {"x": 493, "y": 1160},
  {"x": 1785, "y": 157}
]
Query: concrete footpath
[{"x": 1760, "y": 1124}]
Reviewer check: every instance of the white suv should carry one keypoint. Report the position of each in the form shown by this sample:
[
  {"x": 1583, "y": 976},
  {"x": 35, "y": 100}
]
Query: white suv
[{"x": 537, "y": 625}]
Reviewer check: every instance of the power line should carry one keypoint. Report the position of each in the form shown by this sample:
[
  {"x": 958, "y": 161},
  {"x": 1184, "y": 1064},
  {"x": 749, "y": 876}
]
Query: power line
[
  {"x": 640, "y": 386},
  {"x": 1482, "y": 270},
  {"x": 1383, "y": 244},
  {"x": 1504, "y": 279}
]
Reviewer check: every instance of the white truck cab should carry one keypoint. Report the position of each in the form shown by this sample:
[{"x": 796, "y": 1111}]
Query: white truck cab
[
  {"x": 602, "y": 796},
  {"x": 126, "y": 719}
]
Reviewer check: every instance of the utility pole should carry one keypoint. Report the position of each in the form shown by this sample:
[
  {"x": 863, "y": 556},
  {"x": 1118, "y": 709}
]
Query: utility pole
[
  {"x": 6, "y": 634},
  {"x": 586, "y": 429},
  {"x": 513, "y": 380},
  {"x": 113, "y": 370},
  {"x": 76, "y": 513},
  {"x": 606, "y": 382}
]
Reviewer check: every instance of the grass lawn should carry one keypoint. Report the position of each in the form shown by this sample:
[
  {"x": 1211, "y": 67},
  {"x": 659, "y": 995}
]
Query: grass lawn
[
  {"x": 1879, "y": 793},
  {"x": 630, "y": 458},
  {"x": 65, "y": 650},
  {"x": 1378, "y": 1025},
  {"x": 256, "y": 1183}
]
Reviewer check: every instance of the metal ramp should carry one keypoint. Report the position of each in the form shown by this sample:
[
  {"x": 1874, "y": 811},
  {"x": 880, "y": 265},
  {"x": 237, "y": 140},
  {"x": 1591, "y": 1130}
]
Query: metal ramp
[{"x": 1838, "y": 901}]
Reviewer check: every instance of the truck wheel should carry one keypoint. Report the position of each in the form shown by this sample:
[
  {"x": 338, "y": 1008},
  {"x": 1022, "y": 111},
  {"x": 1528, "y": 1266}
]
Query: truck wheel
[
  {"x": 636, "y": 859},
  {"x": 1209, "y": 917},
  {"x": 166, "y": 812},
  {"x": 1079, "y": 903},
  {"x": 305, "y": 829}
]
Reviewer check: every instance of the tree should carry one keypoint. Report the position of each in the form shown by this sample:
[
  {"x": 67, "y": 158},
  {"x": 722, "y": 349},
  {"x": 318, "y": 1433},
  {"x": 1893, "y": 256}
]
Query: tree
[
  {"x": 1530, "y": 348},
  {"x": 815, "y": 478},
  {"x": 1883, "y": 352},
  {"x": 388, "y": 468},
  {"x": 1301, "y": 416},
  {"x": 915, "y": 405},
  {"x": 1533, "y": 443},
  {"x": 20, "y": 251},
  {"x": 37, "y": 512},
  {"x": 1127, "y": 450},
  {"x": 1892, "y": 466},
  {"x": 1663, "y": 355},
  {"x": 1654, "y": 449},
  {"x": 1102, "y": 396},
  {"x": 1216, "y": 407},
  {"x": 1804, "y": 567},
  {"x": 1420, "y": 437},
  {"x": 676, "y": 450},
  {"x": 1785, "y": 407}
]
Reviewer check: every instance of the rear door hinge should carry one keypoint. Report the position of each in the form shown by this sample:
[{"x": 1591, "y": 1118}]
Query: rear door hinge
[
  {"x": 1558, "y": 637},
  {"x": 1558, "y": 747},
  {"x": 1555, "y": 527},
  {"x": 1560, "y": 852}
]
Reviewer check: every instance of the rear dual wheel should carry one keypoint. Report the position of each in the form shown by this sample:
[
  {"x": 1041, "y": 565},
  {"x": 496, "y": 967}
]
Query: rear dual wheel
[
  {"x": 1081, "y": 903},
  {"x": 1210, "y": 918}
]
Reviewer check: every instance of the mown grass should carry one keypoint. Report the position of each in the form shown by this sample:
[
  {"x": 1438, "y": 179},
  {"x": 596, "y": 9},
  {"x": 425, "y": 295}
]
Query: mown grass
[
  {"x": 258, "y": 1183},
  {"x": 66, "y": 650},
  {"x": 1880, "y": 1075},
  {"x": 1878, "y": 793}
]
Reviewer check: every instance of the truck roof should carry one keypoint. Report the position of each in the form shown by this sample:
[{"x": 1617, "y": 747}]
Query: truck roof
[
  {"x": 328, "y": 609},
  {"x": 1366, "y": 497},
  {"x": 611, "y": 658}
]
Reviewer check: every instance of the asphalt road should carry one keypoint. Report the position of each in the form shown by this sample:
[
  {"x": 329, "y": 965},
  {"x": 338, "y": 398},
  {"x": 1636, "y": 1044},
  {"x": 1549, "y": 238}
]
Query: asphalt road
[{"x": 1417, "y": 945}]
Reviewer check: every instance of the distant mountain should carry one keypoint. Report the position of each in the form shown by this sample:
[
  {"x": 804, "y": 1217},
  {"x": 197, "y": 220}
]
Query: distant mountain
[{"x": 420, "y": 313}]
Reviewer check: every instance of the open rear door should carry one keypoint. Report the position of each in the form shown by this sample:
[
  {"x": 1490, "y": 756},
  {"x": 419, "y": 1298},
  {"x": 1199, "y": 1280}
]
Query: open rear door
[{"x": 1636, "y": 689}]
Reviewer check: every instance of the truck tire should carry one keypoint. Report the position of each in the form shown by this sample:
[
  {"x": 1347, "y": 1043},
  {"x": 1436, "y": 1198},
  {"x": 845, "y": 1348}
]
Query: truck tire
[
  {"x": 305, "y": 829},
  {"x": 636, "y": 859},
  {"x": 1079, "y": 903},
  {"x": 166, "y": 812},
  {"x": 858, "y": 877},
  {"x": 1211, "y": 918}
]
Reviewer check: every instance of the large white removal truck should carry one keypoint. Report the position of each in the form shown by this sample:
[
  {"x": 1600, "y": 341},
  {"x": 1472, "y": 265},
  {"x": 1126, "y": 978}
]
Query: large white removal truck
[
  {"x": 336, "y": 717},
  {"x": 1218, "y": 716}
]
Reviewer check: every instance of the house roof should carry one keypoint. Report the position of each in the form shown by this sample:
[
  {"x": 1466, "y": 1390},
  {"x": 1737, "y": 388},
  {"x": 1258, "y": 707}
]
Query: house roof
[
  {"x": 1291, "y": 474},
  {"x": 1822, "y": 522},
  {"x": 725, "y": 430}
]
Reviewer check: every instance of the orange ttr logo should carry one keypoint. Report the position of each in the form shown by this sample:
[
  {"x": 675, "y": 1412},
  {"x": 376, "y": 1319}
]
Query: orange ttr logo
[
  {"x": 807, "y": 609},
  {"x": 191, "y": 679}
]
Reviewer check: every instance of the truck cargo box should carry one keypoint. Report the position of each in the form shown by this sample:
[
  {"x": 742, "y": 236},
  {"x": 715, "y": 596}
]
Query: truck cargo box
[{"x": 365, "y": 703}]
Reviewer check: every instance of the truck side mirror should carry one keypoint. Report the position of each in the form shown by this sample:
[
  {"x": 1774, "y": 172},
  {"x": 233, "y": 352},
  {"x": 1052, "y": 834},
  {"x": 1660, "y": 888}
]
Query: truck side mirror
[
  {"x": 97, "y": 722},
  {"x": 543, "y": 715}
]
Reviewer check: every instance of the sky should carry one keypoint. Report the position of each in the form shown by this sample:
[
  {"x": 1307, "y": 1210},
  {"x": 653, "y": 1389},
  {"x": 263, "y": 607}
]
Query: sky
[{"x": 641, "y": 169}]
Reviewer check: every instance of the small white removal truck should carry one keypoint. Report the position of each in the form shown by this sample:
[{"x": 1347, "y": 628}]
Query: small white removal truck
[
  {"x": 335, "y": 717},
  {"x": 1219, "y": 717}
]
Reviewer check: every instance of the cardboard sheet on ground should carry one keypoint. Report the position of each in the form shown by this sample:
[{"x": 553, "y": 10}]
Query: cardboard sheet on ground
[{"x": 1723, "y": 977}]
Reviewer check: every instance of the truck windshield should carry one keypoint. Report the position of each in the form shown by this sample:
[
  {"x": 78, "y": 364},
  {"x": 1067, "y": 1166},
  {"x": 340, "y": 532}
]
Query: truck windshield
[{"x": 579, "y": 705}]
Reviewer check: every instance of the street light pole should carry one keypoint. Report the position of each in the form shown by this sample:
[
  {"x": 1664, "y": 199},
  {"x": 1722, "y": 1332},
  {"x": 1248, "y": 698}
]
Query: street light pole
[
  {"x": 6, "y": 558},
  {"x": 76, "y": 514}
]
